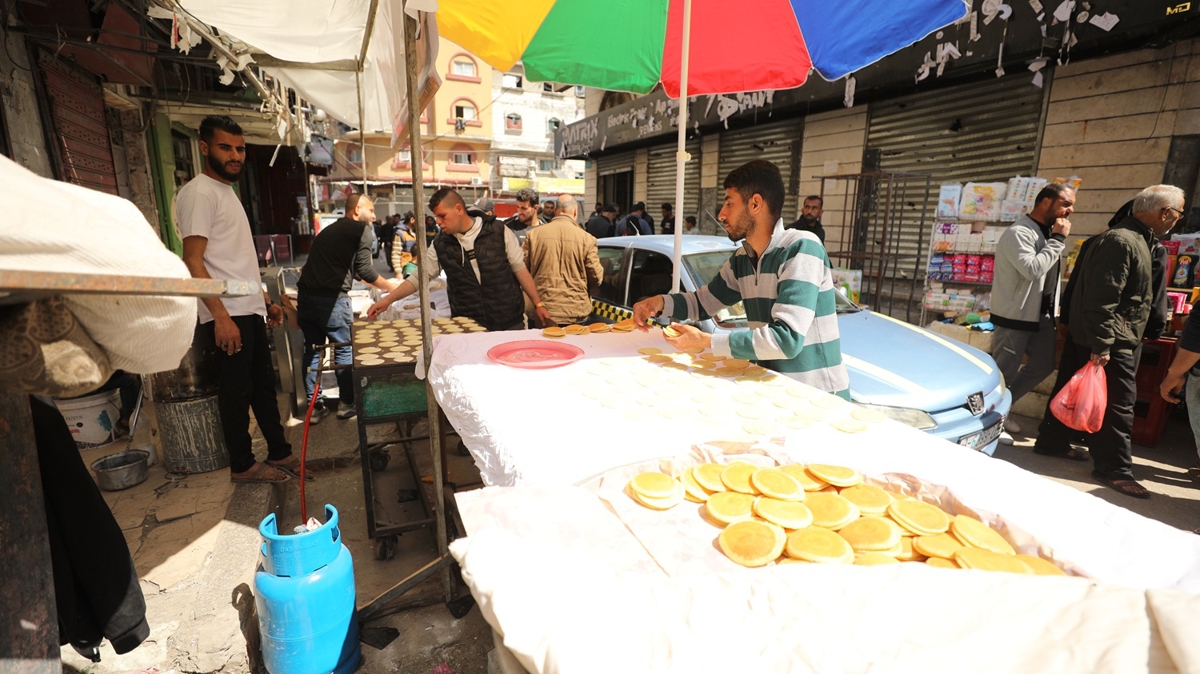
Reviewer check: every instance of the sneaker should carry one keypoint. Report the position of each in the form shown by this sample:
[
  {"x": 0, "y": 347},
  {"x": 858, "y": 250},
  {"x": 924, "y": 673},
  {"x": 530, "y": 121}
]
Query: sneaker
[
  {"x": 1194, "y": 473},
  {"x": 1005, "y": 438},
  {"x": 347, "y": 412},
  {"x": 318, "y": 413},
  {"x": 1011, "y": 426}
]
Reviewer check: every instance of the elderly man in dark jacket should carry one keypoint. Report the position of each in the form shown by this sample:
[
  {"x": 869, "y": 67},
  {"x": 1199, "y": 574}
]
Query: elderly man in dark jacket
[{"x": 1109, "y": 309}]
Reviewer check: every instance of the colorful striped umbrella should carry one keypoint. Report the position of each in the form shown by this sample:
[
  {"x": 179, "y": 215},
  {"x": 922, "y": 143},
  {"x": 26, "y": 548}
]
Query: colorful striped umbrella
[{"x": 632, "y": 45}]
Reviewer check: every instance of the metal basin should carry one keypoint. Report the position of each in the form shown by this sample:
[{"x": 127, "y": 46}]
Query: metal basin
[{"x": 121, "y": 470}]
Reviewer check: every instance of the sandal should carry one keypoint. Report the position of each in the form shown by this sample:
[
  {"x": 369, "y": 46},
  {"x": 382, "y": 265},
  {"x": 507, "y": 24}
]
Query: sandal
[
  {"x": 1127, "y": 486},
  {"x": 260, "y": 473},
  {"x": 1194, "y": 473},
  {"x": 1071, "y": 454},
  {"x": 291, "y": 466}
]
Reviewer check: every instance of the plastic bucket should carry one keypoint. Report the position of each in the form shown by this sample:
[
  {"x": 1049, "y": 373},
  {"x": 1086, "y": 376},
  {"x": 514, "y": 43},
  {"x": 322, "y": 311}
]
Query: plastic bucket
[{"x": 93, "y": 418}]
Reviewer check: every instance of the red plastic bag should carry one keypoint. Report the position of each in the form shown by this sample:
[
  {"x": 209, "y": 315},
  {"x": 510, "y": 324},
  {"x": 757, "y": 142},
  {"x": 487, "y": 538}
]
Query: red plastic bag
[{"x": 1081, "y": 403}]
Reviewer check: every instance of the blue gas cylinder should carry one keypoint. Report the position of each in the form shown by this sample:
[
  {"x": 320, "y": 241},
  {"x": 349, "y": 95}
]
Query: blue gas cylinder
[{"x": 304, "y": 591}]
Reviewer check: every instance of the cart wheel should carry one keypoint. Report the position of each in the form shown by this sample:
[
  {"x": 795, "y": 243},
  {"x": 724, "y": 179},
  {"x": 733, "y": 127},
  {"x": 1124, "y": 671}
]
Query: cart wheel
[
  {"x": 461, "y": 449},
  {"x": 378, "y": 460},
  {"x": 385, "y": 548}
]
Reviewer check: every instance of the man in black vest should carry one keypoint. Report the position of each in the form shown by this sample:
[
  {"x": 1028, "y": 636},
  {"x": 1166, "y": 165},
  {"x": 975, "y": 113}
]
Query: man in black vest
[{"x": 484, "y": 265}]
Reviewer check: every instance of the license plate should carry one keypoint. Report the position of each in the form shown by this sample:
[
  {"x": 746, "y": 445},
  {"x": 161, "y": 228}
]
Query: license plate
[{"x": 982, "y": 438}]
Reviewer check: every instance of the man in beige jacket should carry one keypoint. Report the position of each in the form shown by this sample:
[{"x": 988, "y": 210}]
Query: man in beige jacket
[{"x": 562, "y": 258}]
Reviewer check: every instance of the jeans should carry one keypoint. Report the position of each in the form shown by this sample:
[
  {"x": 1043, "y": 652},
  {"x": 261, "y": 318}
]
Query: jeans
[
  {"x": 1010, "y": 346},
  {"x": 1192, "y": 390},
  {"x": 1111, "y": 446},
  {"x": 247, "y": 381},
  {"x": 326, "y": 319}
]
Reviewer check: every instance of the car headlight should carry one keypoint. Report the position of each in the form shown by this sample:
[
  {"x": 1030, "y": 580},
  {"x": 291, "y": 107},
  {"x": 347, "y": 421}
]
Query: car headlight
[{"x": 908, "y": 416}]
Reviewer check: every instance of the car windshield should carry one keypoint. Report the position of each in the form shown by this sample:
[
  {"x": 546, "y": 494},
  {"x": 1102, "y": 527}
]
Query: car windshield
[{"x": 704, "y": 267}]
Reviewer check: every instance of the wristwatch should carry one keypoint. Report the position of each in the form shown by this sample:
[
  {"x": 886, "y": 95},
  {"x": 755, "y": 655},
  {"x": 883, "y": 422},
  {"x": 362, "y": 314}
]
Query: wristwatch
[{"x": 539, "y": 305}]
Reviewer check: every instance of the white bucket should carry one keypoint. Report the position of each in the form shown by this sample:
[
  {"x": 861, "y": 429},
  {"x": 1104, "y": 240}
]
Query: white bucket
[{"x": 92, "y": 419}]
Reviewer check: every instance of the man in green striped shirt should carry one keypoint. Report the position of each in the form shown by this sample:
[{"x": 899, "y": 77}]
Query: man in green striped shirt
[{"x": 782, "y": 277}]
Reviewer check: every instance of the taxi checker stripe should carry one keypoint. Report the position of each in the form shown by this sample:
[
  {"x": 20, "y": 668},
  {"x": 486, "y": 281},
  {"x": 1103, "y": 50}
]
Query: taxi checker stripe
[
  {"x": 944, "y": 342},
  {"x": 610, "y": 312}
]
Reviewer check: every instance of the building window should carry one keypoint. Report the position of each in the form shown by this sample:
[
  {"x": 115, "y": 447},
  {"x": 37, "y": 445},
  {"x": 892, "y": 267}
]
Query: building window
[
  {"x": 354, "y": 153},
  {"x": 547, "y": 164},
  {"x": 463, "y": 68},
  {"x": 580, "y": 92},
  {"x": 511, "y": 81},
  {"x": 464, "y": 111},
  {"x": 512, "y": 122},
  {"x": 462, "y": 158},
  {"x": 553, "y": 124},
  {"x": 404, "y": 156},
  {"x": 548, "y": 87}
]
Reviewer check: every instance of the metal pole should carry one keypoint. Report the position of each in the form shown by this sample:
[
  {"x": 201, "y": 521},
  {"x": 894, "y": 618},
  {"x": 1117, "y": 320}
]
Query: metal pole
[
  {"x": 362, "y": 132},
  {"x": 681, "y": 155},
  {"x": 435, "y": 435}
]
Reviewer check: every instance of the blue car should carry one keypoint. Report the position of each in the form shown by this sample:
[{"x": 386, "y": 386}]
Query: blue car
[{"x": 912, "y": 375}]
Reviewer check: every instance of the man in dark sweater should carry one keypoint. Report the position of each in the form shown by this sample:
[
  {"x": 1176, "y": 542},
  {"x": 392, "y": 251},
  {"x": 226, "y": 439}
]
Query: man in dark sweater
[{"x": 340, "y": 254}]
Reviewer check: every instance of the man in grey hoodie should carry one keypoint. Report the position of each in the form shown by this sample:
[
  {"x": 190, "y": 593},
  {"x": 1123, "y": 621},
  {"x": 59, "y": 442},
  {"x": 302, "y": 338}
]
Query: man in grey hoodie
[{"x": 1025, "y": 291}]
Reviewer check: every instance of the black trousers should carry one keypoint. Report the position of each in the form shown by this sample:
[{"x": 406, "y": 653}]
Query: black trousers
[
  {"x": 1111, "y": 446},
  {"x": 247, "y": 382},
  {"x": 95, "y": 583}
]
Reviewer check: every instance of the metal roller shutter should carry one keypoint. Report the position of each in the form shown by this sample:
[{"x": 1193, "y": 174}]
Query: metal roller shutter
[
  {"x": 779, "y": 143},
  {"x": 614, "y": 163},
  {"x": 76, "y": 106},
  {"x": 660, "y": 180},
  {"x": 987, "y": 131}
]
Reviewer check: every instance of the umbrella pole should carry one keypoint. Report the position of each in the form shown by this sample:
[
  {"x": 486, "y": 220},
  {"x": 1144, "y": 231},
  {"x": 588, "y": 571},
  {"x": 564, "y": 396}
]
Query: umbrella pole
[
  {"x": 681, "y": 155},
  {"x": 411, "y": 64}
]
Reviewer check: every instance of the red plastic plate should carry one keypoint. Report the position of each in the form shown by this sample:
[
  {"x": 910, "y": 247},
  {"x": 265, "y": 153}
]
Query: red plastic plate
[{"x": 534, "y": 354}]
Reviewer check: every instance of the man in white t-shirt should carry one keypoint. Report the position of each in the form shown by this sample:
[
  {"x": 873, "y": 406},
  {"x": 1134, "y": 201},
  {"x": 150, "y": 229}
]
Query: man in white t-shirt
[{"x": 217, "y": 244}]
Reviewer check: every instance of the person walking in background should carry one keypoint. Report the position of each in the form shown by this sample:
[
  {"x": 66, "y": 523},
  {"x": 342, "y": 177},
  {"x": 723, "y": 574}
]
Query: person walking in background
[
  {"x": 340, "y": 254},
  {"x": 603, "y": 225},
  {"x": 565, "y": 265},
  {"x": 810, "y": 217},
  {"x": 1025, "y": 292},
  {"x": 528, "y": 215},
  {"x": 217, "y": 244},
  {"x": 634, "y": 224},
  {"x": 1109, "y": 309}
]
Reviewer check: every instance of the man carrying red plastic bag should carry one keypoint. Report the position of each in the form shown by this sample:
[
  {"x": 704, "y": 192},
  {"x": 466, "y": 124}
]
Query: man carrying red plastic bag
[{"x": 1109, "y": 308}]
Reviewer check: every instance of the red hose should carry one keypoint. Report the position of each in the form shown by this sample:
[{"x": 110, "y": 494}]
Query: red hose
[{"x": 304, "y": 449}]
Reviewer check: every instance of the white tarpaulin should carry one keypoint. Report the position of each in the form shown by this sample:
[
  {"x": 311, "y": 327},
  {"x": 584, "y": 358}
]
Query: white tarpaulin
[{"x": 330, "y": 32}]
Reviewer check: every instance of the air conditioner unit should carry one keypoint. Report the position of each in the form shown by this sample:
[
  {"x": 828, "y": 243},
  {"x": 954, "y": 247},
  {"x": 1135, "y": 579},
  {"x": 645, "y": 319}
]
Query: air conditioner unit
[{"x": 476, "y": 180}]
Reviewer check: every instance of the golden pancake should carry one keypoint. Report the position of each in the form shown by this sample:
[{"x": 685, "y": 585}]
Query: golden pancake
[
  {"x": 795, "y": 423},
  {"x": 736, "y": 363},
  {"x": 814, "y": 544},
  {"x": 979, "y": 535},
  {"x": 728, "y": 507},
  {"x": 871, "y": 500},
  {"x": 371, "y": 362},
  {"x": 907, "y": 552},
  {"x": 708, "y": 475},
  {"x": 694, "y": 351},
  {"x": 653, "y": 484},
  {"x": 658, "y": 358},
  {"x": 752, "y": 543},
  {"x": 599, "y": 327},
  {"x": 919, "y": 517},
  {"x": 986, "y": 560},
  {"x": 1041, "y": 567},
  {"x": 787, "y": 514},
  {"x": 806, "y": 479},
  {"x": 669, "y": 331},
  {"x": 801, "y": 391},
  {"x": 763, "y": 427},
  {"x": 871, "y": 534},
  {"x": 745, "y": 397},
  {"x": 849, "y": 425},
  {"x": 695, "y": 491},
  {"x": 828, "y": 402},
  {"x": 726, "y": 372},
  {"x": 703, "y": 365},
  {"x": 776, "y": 484},
  {"x": 576, "y": 329},
  {"x": 649, "y": 350},
  {"x": 940, "y": 563},
  {"x": 622, "y": 329},
  {"x": 830, "y": 510},
  {"x": 839, "y": 476},
  {"x": 736, "y": 477},
  {"x": 657, "y": 503},
  {"x": 712, "y": 357},
  {"x": 791, "y": 560},
  {"x": 369, "y": 349},
  {"x": 624, "y": 323},
  {"x": 869, "y": 415},
  {"x": 873, "y": 559},
  {"x": 789, "y": 403},
  {"x": 752, "y": 412},
  {"x": 554, "y": 332},
  {"x": 937, "y": 545}
]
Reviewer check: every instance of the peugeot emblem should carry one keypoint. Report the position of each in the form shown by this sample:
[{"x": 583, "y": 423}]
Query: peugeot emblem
[{"x": 975, "y": 403}]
